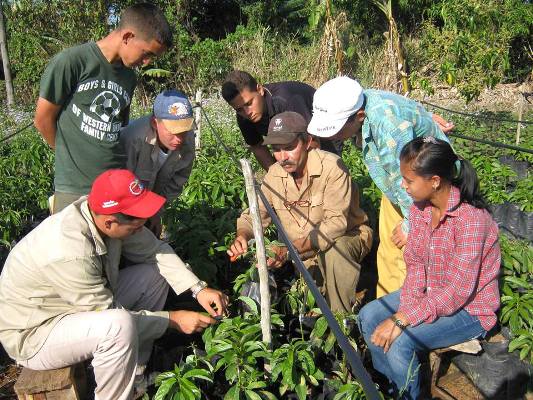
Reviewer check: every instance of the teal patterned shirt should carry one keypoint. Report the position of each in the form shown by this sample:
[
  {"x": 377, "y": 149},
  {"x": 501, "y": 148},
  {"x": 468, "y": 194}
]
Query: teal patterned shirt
[{"x": 391, "y": 122}]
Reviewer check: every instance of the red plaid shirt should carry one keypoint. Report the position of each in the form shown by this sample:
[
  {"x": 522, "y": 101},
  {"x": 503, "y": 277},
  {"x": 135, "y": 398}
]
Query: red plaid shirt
[{"x": 453, "y": 266}]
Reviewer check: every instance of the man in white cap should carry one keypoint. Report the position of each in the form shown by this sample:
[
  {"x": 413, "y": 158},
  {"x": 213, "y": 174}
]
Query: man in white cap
[
  {"x": 380, "y": 123},
  {"x": 63, "y": 298},
  {"x": 318, "y": 205},
  {"x": 160, "y": 147}
]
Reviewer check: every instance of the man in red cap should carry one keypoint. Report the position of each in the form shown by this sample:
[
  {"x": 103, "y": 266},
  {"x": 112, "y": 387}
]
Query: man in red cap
[{"x": 64, "y": 300}]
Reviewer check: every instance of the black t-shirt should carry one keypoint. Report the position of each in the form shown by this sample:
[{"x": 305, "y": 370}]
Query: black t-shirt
[{"x": 281, "y": 97}]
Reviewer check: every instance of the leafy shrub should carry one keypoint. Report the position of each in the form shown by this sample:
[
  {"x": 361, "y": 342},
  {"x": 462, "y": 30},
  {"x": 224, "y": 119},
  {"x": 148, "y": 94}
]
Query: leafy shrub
[
  {"x": 467, "y": 42},
  {"x": 26, "y": 168}
]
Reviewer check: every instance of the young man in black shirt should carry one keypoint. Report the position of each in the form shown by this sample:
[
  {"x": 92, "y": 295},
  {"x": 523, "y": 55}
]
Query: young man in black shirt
[{"x": 257, "y": 104}]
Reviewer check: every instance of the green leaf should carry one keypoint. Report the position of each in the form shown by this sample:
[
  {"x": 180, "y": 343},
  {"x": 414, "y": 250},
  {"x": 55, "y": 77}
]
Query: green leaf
[
  {"x": 257, "y": 385},
  {"x": 164, "y": 389},
  {"x": 301, "y": 390},
  {"x": 198, "y": 374},
  {"x": 320, "y": 327},
  {"x": 156, "y": 73},
  {"x": 330, "y": 341},
  {"x": 164, "y": 376},
  {"x": 524, "y": 352},
  {"x": 251, "y": 395},
  {"x": 521, "y": 283},
  {"x": 250, "y": 303},
  {"x": 268, "y": 395},
  {"x": 232, "y": 394}
]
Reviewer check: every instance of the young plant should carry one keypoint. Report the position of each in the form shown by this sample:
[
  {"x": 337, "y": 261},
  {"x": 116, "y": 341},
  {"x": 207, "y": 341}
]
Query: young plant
[
  {"x": 523, "y": 342},
  {"x": 350, "y": 391},
  {"x": 180, "y": 384},
  {"x": 236, "y": 346},
  {"x": 295, "y": 363},
  {"x": 252, "y": 387}
]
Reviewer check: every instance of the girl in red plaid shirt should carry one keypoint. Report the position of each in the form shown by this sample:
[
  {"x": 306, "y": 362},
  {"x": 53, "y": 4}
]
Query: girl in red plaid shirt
[{"x": 450, "y": 294}]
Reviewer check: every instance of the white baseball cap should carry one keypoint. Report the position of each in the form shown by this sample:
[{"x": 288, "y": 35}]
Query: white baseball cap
[{"x": 333, "y": 103}]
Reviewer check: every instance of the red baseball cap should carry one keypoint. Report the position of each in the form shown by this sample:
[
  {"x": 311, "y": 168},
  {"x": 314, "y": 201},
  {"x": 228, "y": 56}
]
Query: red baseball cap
[{"x": 119, "y": 191}]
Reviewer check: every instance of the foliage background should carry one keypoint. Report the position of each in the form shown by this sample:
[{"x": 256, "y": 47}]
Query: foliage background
[
  {"x": 466, "y": 44},
  {"x": 469, "y": 44}
]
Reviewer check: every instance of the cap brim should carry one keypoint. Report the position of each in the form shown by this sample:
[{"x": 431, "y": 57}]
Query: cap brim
[
  {"x": 145, "y": 207},
  {"x": 280, "y": 138},
  {"x": 325, "y": 127},
  {"x": 177, "y": 126}
]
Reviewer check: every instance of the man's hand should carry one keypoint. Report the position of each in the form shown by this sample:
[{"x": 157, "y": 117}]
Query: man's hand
[
  {"x": 189, "y": 321},
  {"x": 208, "y": 297},
  {"x": 385, "y": 334},
  {"x": 238, "y": 247},
  {"x": 445, "y": 126},
  {"x": 280, "y": 257},
  {"x": 399, "y": 237}
]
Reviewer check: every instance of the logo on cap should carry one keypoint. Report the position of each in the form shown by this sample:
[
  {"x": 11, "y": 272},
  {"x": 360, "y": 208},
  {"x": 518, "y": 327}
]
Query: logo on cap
[
  {"x": 136, "y": 187},
  {"x": 109, "y": 203},
  {"x": 178, "y": 109},
  {"x": 278, "y": 126}
]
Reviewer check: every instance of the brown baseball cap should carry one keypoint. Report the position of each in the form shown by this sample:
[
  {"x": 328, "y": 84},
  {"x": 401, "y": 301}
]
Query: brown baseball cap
[{"x": 284, "y": 128}]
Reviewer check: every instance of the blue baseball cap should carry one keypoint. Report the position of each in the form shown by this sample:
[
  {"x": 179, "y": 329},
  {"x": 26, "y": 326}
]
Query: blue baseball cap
[{"x": 174, "y": 109}]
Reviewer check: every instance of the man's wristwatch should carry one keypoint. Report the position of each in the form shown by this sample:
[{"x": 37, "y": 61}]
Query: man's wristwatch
[
  {"x": 196, "y": 288},
  {"x": 398, "y": 322}
]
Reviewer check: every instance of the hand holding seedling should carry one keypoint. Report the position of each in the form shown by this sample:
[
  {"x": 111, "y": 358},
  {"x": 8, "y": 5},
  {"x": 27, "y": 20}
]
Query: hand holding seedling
[
  {"x": 189, "y": 321},
  {"x": 238, "y": 247},
  {"x": 213, "y": 301},
  {"x": 277, "y": 256}
]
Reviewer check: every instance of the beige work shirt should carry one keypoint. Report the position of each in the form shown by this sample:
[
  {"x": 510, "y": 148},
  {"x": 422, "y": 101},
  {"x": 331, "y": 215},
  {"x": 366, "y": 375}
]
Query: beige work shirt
[
  {"x": 139, "y": 140},
  {"x": 324, "y": 208},
  {"x": 64, "y": 266}
]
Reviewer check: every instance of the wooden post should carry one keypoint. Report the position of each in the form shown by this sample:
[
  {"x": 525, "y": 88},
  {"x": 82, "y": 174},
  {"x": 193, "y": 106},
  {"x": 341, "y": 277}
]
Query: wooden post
[
  {"x": 260, "y": 253},
  {"x": 520, "y": 113},
  {"x": 5, "y": 61},
  {"x": 198, "y": 119}
]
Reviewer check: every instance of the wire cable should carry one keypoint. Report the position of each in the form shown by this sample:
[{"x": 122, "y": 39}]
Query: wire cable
[
  {"x": 476, "y": 115},
  {"x": 490, "y": 142},
  {"x": 5, "y": 138}
]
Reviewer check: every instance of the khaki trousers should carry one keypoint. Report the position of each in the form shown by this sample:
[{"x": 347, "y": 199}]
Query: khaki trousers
[
  {"x": 61, "y": 200},
  {"x": 109, "y": 337},
  {"x": 390, "y": 263},
  {"x": 340, "y": 267}
]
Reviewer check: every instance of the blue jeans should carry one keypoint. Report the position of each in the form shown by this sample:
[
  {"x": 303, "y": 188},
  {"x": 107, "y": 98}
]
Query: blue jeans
[{"x": 401, "y": 363}]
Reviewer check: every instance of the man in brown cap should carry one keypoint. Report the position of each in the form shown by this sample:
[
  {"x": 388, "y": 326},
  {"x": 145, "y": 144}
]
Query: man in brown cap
[{"x": 318, "y": 204}]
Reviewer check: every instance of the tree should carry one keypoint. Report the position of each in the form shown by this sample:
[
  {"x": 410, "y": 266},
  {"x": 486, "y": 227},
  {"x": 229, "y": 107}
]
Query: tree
[{"x": 5, "y": 60}]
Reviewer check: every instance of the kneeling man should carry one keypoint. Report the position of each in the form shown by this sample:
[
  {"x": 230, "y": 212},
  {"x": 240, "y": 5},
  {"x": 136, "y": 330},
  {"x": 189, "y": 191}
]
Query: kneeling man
[
  {"x": 63, "y": 298},
  {"x": 318, "y": 205}
]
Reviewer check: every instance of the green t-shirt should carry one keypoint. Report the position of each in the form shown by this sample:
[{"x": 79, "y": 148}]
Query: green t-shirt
[{"x": 95, "y": 96}]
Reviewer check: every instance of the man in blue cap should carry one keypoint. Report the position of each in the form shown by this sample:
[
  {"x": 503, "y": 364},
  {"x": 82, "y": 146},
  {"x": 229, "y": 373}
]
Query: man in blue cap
[{"x": 160, "y": 147}]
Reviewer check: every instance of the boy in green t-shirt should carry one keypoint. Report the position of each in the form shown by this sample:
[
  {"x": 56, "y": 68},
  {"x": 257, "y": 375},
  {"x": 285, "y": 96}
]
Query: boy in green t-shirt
[{"x": 85, "y": 97}]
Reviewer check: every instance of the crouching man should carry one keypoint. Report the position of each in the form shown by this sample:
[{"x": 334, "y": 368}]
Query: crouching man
[
  {"x": 64, "y": 300},
  {"x": 318, "y": 205}
]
